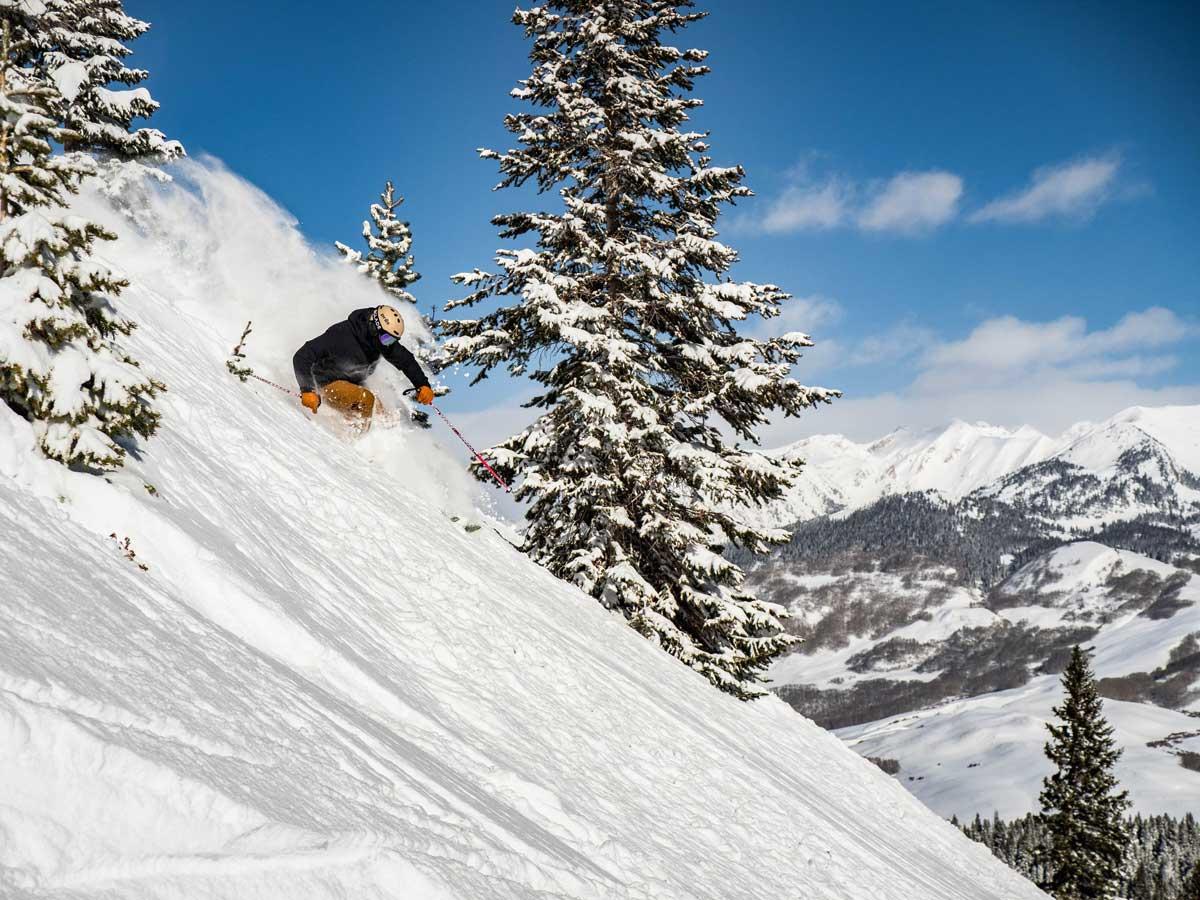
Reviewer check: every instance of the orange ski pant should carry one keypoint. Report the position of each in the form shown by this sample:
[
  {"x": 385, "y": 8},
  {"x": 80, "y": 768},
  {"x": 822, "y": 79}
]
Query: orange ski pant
[{"x": 351, "y": 399}]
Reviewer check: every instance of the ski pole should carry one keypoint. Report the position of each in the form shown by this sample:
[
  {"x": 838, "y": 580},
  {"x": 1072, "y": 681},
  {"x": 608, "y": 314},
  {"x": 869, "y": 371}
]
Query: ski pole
[
  {"x": 278, "y": 387},
  {"x": 483, "y": 462}
]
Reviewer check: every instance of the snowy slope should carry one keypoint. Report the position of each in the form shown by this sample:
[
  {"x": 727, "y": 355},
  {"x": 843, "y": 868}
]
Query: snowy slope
[
  {"x": 1139, "y": 463},
  {"x": 956, "y": 461},
  {"x": 1176, "y": 428},
  {"x": 320, "y": 686},
  {"x": 1070, "y": 584}
]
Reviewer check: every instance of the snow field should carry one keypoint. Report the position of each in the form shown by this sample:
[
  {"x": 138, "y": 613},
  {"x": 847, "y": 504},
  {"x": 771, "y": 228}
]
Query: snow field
[
  {"x": 827, "y": 667},
  {"x": 321, "y": 687},
  {"x": 985, "y": 753}
]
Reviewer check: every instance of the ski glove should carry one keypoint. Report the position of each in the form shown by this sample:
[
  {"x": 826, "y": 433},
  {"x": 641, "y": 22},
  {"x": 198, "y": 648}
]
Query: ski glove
[
  {"x": 425, "y": 395},
  {"x": 310, "y": 400}
]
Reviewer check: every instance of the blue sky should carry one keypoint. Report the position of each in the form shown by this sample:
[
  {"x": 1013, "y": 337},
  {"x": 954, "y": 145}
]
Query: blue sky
[{"x": 986, "y": 211}]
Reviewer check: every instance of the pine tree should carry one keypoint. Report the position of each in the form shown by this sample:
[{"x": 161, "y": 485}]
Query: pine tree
[
  {"x": 1080, "y": 804},
  {"x": 1142, "y": 886},
  {"x": 388, "y": 261},
  {"x": 60, "y": 365},
  {"x": 84, "y": 46},
  {"x": 389, "y": 241},
  {"x": 1191, "y": 887},
  {"x": 624, "y": 313}
]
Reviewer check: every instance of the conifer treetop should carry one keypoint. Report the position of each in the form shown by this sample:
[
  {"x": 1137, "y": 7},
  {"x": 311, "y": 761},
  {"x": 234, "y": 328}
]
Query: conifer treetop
[
  {"x": 85, "y": 43},
  {"x": 31, "y": 175},
  {"x": 389, "y": 241}
]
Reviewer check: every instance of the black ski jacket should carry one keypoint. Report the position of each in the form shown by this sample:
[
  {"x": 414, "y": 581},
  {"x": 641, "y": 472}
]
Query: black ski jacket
[{"x": 349, "y": 351}]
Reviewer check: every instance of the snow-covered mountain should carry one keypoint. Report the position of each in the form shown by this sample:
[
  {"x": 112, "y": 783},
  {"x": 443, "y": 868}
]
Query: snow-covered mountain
[
  {"x": 263, "y": 661},
  {"x": 1141, "y": 462},
  {"x": 841, "y": 475},
  {"x": 939, "y": 588}
]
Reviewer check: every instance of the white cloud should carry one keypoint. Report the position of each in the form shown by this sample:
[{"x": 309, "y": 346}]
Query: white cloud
[
  {"x": 1126, "y": 367},
  {"x": 1074, "y": 189},
  {"x": 1010, "y": 372},
  {"x": 1050, "y": 407},
  {"x": 901, "y": 342},
  {"x": 804, "y": 207},
  {"x": 804, "y": 314},
  {"x": 1155, "y": 327},
  {"x": 1008, "y": 343},
  {"x": 999, "y": 347},
  {"x": 912, "y": 202},
  {"x": 908, "y": 203}
]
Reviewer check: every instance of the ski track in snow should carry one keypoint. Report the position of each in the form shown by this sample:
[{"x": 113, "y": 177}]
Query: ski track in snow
[{"x": 321, "y": 687}]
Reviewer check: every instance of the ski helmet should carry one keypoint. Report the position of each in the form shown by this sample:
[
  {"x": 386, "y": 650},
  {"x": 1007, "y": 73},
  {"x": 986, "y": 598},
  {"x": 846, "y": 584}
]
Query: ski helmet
[{"x": 388, "y": 319}]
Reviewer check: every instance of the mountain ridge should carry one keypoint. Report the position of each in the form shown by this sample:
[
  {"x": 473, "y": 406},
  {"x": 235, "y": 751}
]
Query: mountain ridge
[{"x": 959, "y": 459}]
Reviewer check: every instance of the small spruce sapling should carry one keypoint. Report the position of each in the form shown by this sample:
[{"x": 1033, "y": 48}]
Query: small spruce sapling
[
  {"x": 234, "y": 363},
  {"x": 1081, "y": 806},
  {"x": 388, "y": 260}
]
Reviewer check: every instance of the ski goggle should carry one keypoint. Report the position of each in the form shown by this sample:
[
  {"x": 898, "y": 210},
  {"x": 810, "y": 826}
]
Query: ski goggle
[{"x": 387, "y": 339}]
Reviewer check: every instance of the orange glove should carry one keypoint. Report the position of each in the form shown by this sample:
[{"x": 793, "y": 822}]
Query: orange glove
[
  {"x": 310, "y": 400},
  {"x": 425, "y": 395}
]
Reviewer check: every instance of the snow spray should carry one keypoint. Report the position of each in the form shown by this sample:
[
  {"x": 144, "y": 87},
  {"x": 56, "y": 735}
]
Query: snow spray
[{"x": 483, "y": 462}]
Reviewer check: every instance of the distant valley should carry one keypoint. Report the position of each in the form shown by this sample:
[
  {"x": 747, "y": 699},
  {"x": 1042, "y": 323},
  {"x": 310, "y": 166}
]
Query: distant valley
[{"x": 939, "y": 579}]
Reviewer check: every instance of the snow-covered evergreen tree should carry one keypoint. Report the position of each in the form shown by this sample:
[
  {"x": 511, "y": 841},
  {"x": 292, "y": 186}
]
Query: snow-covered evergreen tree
[
  {"x": 60, "y": 365},
  {"x": 388, "y": 259},
  {"x": 1162, "y": 859},
  {"x": 623, "y": 312},
  {"x": 84, "y": 51},
  {"x": 1081, "y": 806},
  {"x": 1191, "y": 888}
]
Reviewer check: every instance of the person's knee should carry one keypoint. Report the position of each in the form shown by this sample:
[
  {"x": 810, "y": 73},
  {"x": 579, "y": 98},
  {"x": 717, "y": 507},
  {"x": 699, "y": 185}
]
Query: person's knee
[{"x": 349, "y": 398}]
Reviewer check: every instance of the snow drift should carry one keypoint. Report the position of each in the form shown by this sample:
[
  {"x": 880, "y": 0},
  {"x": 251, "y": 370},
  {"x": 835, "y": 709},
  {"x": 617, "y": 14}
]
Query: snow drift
[{"x": 261, "y": 661}]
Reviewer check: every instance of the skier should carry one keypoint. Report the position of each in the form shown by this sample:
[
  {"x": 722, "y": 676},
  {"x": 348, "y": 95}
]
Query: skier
[{"x": 334, "y": 365}]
